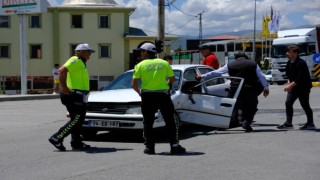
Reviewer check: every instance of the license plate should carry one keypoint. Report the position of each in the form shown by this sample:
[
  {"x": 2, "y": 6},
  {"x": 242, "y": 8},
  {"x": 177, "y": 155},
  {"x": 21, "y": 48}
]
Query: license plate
[{"x": 104, "y": 123}]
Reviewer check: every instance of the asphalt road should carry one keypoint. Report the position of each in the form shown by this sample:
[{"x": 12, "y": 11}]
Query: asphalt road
[{"x": 267, "y": 153}]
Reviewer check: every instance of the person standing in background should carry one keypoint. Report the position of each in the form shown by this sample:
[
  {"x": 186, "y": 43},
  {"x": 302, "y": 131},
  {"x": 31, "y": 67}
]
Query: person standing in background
[
  {"x": 56, "y": 82},
  {"x": 168, "y": 59},
  {"x": 210, "y": 58}
]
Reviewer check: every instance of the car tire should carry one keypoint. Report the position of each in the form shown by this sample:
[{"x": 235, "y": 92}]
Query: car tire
[
  {"x": 87, "y": 132},
  {"x": 281, "y": 82}
]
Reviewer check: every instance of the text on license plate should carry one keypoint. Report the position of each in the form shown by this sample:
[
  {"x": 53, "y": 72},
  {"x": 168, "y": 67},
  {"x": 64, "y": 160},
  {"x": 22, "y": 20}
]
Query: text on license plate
[{"x": 104, "y": 123}]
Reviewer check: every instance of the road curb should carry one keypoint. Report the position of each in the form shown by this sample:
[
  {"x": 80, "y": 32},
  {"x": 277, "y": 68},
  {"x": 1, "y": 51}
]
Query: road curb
[{"x": 28, "y": 97}]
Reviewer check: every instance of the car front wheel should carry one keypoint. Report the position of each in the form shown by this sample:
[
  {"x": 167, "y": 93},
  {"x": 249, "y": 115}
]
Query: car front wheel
[{"x": 87, "y": 132}]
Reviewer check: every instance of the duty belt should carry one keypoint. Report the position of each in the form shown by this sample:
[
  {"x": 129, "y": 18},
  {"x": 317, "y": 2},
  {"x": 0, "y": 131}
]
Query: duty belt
[
  {"x": 80, "y": 92},
  {"x": 154, "y": 91}
]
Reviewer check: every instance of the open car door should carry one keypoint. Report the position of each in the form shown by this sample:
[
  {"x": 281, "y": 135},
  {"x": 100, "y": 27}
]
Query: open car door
[{"x": 211, "y": 102}]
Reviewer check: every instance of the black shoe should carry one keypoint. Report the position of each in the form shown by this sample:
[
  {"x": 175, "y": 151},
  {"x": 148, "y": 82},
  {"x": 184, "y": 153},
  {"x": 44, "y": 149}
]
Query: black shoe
[
  {"x": 285, "y": 126},
  {"x": 58, "y": 144},
  {"x": 149, "y": 150},
  {"x": 248, "y": 129},
  {"x": 177, "y": 150},
  {"x": 308, "y": 126},
  {"x": 80, "y": 146}
]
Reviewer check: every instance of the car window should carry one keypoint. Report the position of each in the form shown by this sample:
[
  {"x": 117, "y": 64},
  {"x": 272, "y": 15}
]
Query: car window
[
  {"x": 177, "y": 75},
  {"x": 189, "y": 75},
  {"x": 268, "y": 73},
  {"x": 124, "y": 81},
  {"x": 221, "y": 87},
  {"x": 204, "y": 70},
  {"x": 121, "y": 82}
]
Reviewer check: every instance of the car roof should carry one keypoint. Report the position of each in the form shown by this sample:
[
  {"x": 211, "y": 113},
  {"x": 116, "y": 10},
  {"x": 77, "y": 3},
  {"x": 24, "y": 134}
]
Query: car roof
[
  {"x": 182, "y": 67},
  {"x": 186, "y": 66}
]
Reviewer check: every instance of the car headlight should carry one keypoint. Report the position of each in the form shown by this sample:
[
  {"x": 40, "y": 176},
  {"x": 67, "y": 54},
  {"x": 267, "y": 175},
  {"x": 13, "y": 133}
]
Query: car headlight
[{"x": 136, "y": 110}]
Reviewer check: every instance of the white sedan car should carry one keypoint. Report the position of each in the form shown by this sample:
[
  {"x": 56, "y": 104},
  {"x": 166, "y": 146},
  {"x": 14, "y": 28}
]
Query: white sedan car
[{"x": 205, "y": 103}]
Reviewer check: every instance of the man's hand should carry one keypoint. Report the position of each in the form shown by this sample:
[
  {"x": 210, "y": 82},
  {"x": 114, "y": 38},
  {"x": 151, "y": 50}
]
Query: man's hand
[
  {"x": 289, "y": 86},
  {"x": 266, "y": 92},
  {"x": 198, "y": 77},
  {"x": 65, "y": 90}
]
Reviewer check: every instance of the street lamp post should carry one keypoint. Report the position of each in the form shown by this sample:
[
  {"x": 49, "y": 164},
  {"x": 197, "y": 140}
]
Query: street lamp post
[{"x": 254, "y": 32}]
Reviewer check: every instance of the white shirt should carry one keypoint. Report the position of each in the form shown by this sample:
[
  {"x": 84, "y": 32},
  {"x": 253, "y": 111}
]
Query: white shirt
[{"x": 55, "y": 73}]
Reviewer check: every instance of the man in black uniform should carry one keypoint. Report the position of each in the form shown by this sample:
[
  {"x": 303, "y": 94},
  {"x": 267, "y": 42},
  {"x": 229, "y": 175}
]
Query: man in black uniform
[
  {"x": 299, "y": 85},
  {"x": 247, "y": 101}
]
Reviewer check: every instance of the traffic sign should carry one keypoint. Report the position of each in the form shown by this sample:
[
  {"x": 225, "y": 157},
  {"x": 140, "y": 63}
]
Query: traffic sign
[
  {"x": 316, "y": 58},
  {"x": 10, "y": 7}
]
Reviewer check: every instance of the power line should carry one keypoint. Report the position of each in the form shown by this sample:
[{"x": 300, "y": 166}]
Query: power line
[
  {"x": 183, "y": 24},
  {"x": 171, "y": 3}
]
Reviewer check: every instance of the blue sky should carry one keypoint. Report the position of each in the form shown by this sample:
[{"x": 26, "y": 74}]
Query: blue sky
[{"x": 219, "y": 15}]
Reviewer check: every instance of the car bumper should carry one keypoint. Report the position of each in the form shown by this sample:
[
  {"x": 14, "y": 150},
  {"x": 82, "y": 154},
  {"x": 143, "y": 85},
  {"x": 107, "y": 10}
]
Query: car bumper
[{"x": 115, "y": 121}]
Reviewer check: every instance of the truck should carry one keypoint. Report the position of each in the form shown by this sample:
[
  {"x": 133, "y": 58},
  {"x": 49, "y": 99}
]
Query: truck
[{"x": 308, "y": 39}]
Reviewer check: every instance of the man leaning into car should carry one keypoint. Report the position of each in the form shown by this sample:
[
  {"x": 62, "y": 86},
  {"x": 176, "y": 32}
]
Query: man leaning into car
[{"x": 153, "y": 73}]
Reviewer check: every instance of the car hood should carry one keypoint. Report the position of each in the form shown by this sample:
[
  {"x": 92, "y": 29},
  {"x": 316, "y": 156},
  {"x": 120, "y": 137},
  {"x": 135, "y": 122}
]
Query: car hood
[{"x": 119, "y": 95}]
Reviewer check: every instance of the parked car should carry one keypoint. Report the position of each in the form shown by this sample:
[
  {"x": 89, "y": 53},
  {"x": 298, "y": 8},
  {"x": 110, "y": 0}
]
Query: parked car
[
  {"x": 118, "y": 106},
  {"x": 268, "y": 76}
]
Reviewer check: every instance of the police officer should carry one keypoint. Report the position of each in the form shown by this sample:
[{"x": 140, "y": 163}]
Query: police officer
[
  {"x": 74, "y": 80},
  {"x": 247, "y": 101},
  {"x": 153, "y": 73}
]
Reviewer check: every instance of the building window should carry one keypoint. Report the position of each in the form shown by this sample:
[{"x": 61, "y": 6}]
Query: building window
[
  {"x": 76, "y": 21},
  {"x": 35, "y": 51},
  {"x": 72, "y": 49},
  {"x": 104, "y": 21},
  {"x": 4, "y": 51},
  {"x": 4, "y": 21},
  {"x": 104, "y": 51},
  {"x": 35, "y": 21}
]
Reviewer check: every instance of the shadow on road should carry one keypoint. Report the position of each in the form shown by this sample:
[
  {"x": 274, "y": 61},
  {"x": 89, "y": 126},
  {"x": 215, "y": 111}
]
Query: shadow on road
[
  {"x": 187, "y": 131},
  {"x": 188, "y": 153},
  {"x": 96, "y": 150}
]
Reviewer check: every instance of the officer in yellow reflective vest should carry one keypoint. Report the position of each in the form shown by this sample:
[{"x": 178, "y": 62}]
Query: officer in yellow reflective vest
[
  {"x": 153, "y": 73},
  {"x": 74, "y": 81}
]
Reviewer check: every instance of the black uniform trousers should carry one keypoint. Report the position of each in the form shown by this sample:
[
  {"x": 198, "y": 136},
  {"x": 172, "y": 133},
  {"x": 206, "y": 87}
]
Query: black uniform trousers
[
  {"x": 151, "y": 103},
  {"x": 77, "y": 110}
]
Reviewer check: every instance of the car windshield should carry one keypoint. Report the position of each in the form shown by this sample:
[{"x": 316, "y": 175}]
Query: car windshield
[
  {"x": 268, "y": 73},
  {"x": 279, "y": 51},
  {"x": 124, "y": 81}
]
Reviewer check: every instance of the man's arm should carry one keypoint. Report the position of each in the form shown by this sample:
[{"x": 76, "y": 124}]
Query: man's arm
[
  {"x": 63, "y": 80},
  {"x": 171, "y": 80},
  {"x": 263, "y": 81},
  {"x": 134, "y": 85},
  {"x": 212, "y": 74}
]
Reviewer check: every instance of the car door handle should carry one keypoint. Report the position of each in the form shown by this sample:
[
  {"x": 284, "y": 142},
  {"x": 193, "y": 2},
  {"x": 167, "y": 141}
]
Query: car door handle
[{"x": 226, "y": 105}]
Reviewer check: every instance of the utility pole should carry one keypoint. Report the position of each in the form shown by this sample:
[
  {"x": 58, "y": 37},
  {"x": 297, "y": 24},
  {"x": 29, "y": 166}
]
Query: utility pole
[
  {"x": 200, "y": 27},
  {"x": 161, "y": 22}
]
